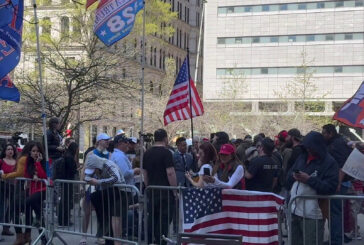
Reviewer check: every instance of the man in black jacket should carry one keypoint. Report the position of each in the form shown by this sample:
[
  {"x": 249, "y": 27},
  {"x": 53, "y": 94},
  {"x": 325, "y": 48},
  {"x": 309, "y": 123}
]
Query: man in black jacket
[
  {"x": 293, "y": 140},
  {"x": 340, "y": 151},
  {"x": 54, "y": 139}
]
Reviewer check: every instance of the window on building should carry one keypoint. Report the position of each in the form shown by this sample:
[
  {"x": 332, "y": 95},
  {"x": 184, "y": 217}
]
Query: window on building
[
  {"x": 46, "y": 2},
  {"x": 348, "y": 36},
  {"x": 155, "y": 57},
  {"x": 320, "y": 5},
  {"x": 238, "y": 40},
  {"x": 65, "y": 27},
  {"x": 264, "y": 71},
  {"x": 256, "y": 39},
  {"x": 46, "y": 26},
  {"x": 274, "y": 39},
  {"x": 291, "y": 38},
  {"x": 329, "y": 37},
  {"x": 104, "y": 129},
  {"x": 302, "y": 6},
  {"x": 359, "y": 3},
  {"x": 151, "y": 87},
  {"x": 338, "y": 69},
  {"x": 283, "y": 7},
  {"x": 339, "y": 4},
  {"x": 160, "y": 58},
  {"x": 151, "y": 56},
  {"x": 273, "y": 106},
  {"x": 265, "y": 8},
  {"x": 310, "y": 38},
  {"x": 93, "y": 131},
  {"x": 230, "y": 10}
]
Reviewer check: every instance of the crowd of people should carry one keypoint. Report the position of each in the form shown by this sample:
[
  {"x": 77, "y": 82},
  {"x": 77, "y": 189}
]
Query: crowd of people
[{"x": 290, "y": 164}]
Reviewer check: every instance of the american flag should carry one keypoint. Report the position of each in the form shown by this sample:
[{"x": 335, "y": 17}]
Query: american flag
[
  {"x": 178, "y": 106},
  {"x": 250, "y": 214}
]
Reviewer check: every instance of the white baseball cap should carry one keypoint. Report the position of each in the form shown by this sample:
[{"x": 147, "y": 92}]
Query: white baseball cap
[
  {"x": 102, "y": 136},
  {"x": 120, "y": 131},
  {"x": 133, "y": 140}
]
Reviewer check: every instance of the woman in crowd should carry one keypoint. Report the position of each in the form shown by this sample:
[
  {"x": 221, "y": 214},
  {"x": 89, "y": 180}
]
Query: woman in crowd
[
  {"x": 229, "y": 172},
  {"x": 35, "y": 169},
  {"x": 7, "y": 165},
  {"x": 207, "y": 157}
]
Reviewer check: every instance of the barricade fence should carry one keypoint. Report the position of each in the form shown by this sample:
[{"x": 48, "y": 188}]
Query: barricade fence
[
  {"x": 314, "y": 218},
  {"x": 120, "y": 214}
]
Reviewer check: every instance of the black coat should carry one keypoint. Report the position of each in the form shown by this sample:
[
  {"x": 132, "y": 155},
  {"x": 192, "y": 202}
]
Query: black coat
[
  {"x": 339, "y": 149},
  {"x": 54, "y": 141}
]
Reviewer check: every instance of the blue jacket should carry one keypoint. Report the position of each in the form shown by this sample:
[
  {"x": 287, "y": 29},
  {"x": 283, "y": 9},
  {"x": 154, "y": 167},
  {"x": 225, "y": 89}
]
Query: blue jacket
[
  {"x": 181, "y": 168},
  {"x": 324, "y": 170}
]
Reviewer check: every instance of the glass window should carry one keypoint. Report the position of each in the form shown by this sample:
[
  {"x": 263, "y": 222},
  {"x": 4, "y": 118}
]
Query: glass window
[
  {"x": 265, "y": 39},
  {"x": 238, "y": 40},
  {"x": 300, "y": 38},
  {"x": 248, "y": 9},
  {"x": 220, "y": 72},
  {"x": 310, "y": 38},
  {"x": 247, "y": 40},
  {"x": 263, "y": 70},
  {"x": 338, "y": 69},
  {"x": 330, "y": 5},
  {"x": 230, "y": 40},
  {"x": 230, "y": 10},
  {"x": 348, "y": 36},
  {"x": 320, "y": 5},
  {"x": 220, "y": 40},
  {"x": 255, "y": 71},
  {"x": 358, "y": 36},
  {"x": 339, "y": 4},
  {"x": 256, "y": 39},
  {"x": 274, "y": 39},
  {"x": 324, "y": 69},
  {"x": 339, "y": 37},
  {"x": 257, "y": 8},
  {"x": 291, "y": 38},
  {"x": 239, "y": 10},
  {"x": 273, "y": 71},
  {"x": 359, "y": 3},
  {"x": 265, "y": 8},
  {"x": 286, "y": 70},
  {"x": 329, "y": 37},
  {"x": 302, "y": 70},
  {"x": 349, "y": 4},
  {"x": 320, "y": 37},
  {"x": 352, "y": 69},
  {"x": 312, "y": 6},
  {"x": 283, "y": 39},
  {"x": 274, "y": 7},
  {"x": 222, "y": 10},
  {"x": 292, "y": 6},
  {"x": 283, "y": 7},
  {"x": 302, "y": 6}
]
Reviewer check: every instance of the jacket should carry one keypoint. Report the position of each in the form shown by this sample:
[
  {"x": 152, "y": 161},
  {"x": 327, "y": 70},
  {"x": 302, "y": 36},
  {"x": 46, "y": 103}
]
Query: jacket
[
  {"x": 53, "y": 141},
  {"x": 19, "y": 170},
  {"x": 324, "y": 176},
  {"x": 181, "y": 168},
  {"x": 36, "y": 186},
  {"x": 339, "y": 149}
]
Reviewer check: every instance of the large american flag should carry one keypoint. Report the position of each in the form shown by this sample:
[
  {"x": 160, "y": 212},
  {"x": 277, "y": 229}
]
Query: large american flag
[
  {"x": 251, "y": 214},
  {"x": 178, "y": 106}
]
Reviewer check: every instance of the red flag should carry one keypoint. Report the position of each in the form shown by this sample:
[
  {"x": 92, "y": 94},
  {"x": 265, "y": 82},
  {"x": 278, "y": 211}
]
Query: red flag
[
  {"x": 352, "y": 112},
  {"x": 181, "y": 105}
]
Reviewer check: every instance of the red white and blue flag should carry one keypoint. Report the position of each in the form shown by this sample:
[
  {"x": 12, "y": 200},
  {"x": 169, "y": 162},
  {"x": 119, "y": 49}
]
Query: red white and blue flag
[
  {"x": 114, "y": 19},
  {"x": 11, "y": 24},
  {"x": 184, "y": 100},
  {"x": 251, "y": 214},
  {"x": 352, "y": 112}
]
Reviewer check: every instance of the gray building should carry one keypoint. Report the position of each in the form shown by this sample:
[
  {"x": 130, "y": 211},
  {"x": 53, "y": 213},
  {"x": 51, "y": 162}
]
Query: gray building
[{"x": 267, "y": 45}]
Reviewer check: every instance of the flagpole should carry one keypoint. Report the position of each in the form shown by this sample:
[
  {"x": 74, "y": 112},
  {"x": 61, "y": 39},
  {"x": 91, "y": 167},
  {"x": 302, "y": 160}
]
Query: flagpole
[
  {"x": 189, "y": 91},
  {"x": 44, "y": 117},
  {"x": 199, "y": 41}
]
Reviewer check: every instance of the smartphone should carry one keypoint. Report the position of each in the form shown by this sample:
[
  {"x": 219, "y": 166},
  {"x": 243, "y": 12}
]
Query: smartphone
[{"x": 206, "y": 171}]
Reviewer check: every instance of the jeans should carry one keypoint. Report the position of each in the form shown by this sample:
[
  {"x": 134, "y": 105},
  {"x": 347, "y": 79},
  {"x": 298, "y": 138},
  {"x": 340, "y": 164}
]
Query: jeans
[
  {"x": 34, "y": 203},
  {"x": 307, "y": 231},
  {"x": 336, "y": 221},
  {"x": 65, "y": 205}
]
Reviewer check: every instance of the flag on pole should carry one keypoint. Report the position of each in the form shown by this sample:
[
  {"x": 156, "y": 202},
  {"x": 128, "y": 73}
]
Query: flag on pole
[
  {"x": 251, "y": 214},
  {"x": 115, "y": 19},
  {"x": 89, "y": 3},
  {"x": 179, "y": 104},
  {"x": 11, "y": 24},
  {"x": 352, "y": 112}
]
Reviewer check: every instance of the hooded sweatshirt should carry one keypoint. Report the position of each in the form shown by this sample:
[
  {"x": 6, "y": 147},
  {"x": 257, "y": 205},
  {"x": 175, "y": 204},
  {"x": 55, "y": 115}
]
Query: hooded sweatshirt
[{"x": 324, "y": 175}]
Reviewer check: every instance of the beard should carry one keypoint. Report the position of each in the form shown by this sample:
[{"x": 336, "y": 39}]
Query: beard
[{"x": 289, "y": 144}]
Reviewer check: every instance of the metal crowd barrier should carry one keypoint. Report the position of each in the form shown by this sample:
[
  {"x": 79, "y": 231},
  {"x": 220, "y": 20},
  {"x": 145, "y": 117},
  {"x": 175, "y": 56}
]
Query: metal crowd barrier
[
  {"x": 319, "y": 224},
  {"x": 162, "y": 217},
  {"x": 117, "y": 210},
  {"x": 17, "y": 206}
]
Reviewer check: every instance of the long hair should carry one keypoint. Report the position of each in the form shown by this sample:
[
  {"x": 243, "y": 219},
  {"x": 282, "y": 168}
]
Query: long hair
[
  {"x": 210, "y": 154},
  {"x": 30, "y": 161},
  {"x": 3, "y": 153}
]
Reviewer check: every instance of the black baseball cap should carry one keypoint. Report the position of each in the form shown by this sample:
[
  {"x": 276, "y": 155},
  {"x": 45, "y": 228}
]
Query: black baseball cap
[
  {"x": 294, "y": 132},
  {"x": 121, "y": 138}
]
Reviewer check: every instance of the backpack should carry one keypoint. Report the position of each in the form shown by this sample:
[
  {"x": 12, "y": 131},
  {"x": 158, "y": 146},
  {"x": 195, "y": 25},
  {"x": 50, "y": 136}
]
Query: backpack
[{"x": 59, "y": 168}]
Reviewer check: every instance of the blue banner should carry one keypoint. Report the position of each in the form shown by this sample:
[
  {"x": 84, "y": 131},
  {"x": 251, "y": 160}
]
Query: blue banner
[
  {"x": 115, "y": 19},
  {"x": 10, "y": 35},
  {"x": 8, "y": 91}
]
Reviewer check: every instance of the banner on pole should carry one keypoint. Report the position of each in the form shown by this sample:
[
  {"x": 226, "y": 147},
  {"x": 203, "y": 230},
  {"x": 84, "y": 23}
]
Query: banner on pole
[
  {"x": 352, "y": 112},
  {"x": 115, "y": 19}
]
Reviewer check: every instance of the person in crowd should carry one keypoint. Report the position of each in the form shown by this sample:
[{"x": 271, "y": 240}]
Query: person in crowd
[
  {"x": 314, "y": 172},
  {"x": 220, "y": 138},
  {"x": 7, "y": 165},
  {"x": 293, "y": 141},
  {"x": 262, "y": 172},
  {"x": 338, "y": 148},
  {"x": 206, "y": 162},
  {"x": 68, "y": 141},
  {"x": 70, "y": 170},
  {"x": 103, "y": 174},
  {"x": 229, "y": 172},
  {"x": 286, "y": 152},
  {"x": 240, "y": 150},
  {"x": 131, "y": 153},
  {"x": 193, "y": 149},
  {"x": 159, "y": 170},
  {"x": 90, "y": 149},
  {"x": 35, "y": 169},
  {"x": 183, "y": 162},
  {"x": 54, "y": 139},
  {"x": 102, "y": 143}
]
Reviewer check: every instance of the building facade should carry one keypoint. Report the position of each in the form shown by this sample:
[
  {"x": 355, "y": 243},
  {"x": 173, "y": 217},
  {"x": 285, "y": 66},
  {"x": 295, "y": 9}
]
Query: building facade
[
  {"x": 55, "y": 20},
  {"x": 268, "y": 45}
]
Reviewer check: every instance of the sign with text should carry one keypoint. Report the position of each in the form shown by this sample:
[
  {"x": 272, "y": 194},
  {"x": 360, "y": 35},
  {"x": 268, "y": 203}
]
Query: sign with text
[
  {"x": 115, "y": 19},
  {"x": 354, "y": 165}
]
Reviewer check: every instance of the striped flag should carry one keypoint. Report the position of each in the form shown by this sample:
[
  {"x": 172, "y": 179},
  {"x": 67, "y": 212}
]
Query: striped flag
[
  {"x": 251, "y": 214},
  {"x": 181, "y": 105}
]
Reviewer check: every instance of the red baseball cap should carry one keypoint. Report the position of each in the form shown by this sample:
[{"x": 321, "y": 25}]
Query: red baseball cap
[{"x": 227, "y": 149}]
